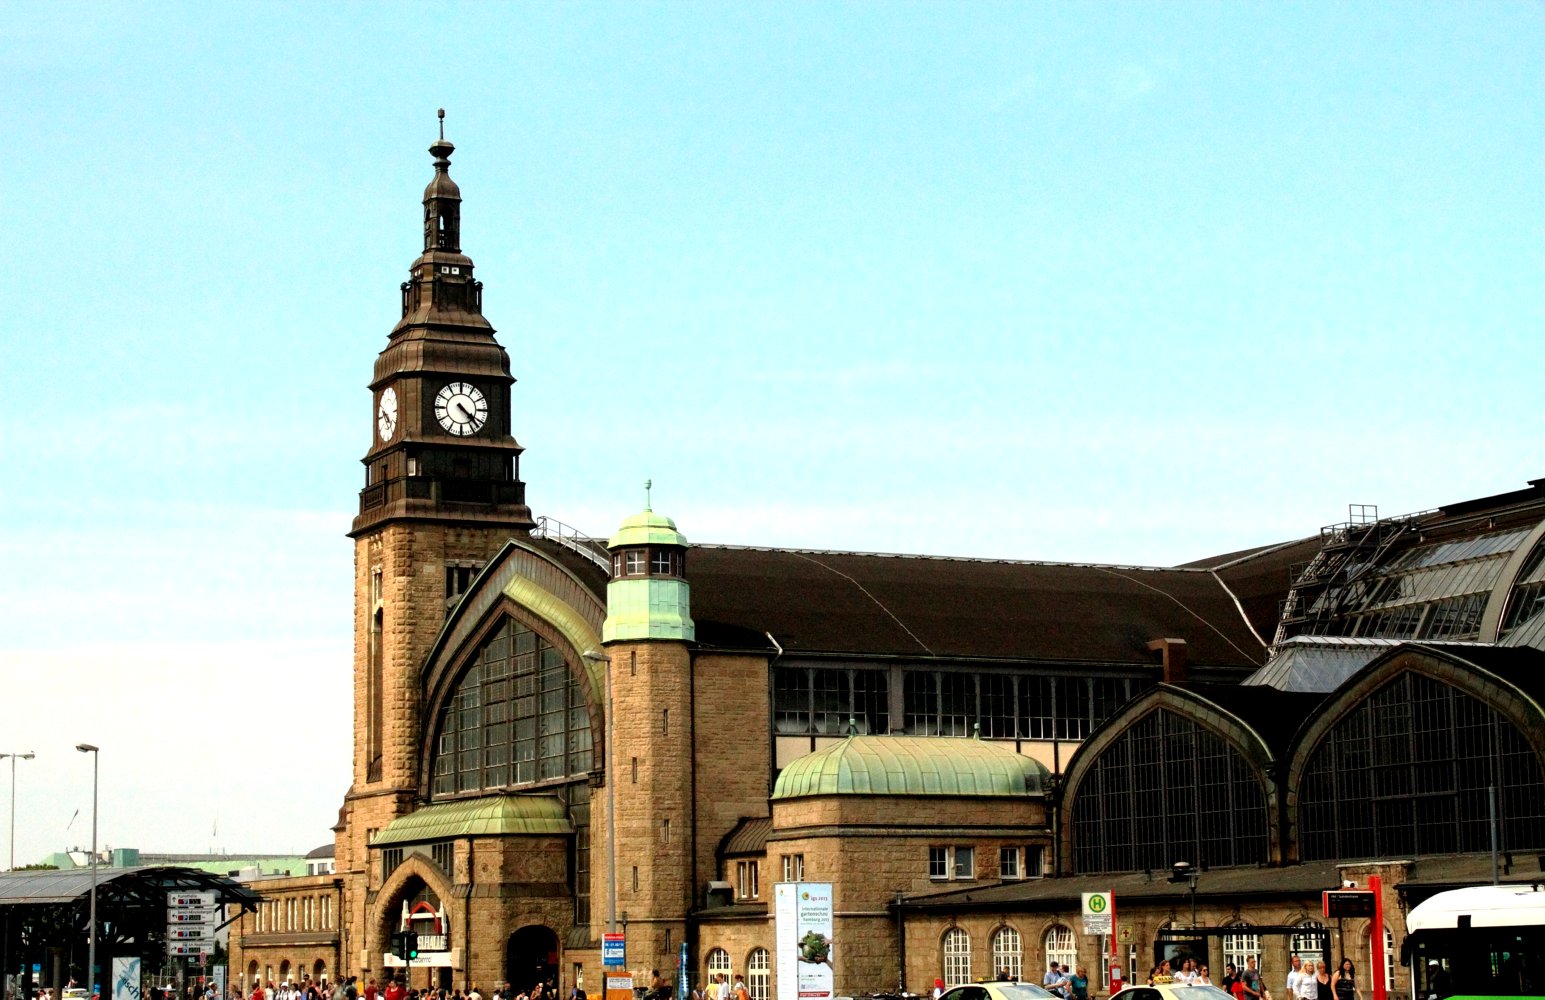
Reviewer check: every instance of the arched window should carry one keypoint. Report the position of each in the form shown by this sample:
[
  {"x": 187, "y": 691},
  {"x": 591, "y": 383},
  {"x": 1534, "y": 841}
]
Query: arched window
[
  {"x": 1007, "y": 958},
  {"x": 518, "y": 715},
  {"x": 1365, "y": 980},
  {"x": 1305, "y": 944},
  {"x": 759, "y": 974},
  {"x": 1168, "y": 788},
  {"x": 1406, "y": 772},
  {"x": 718, "y": 961},
  {"x": 957, "y": 957},
  {"x": 1239, "y": 944},
  {"x": 1060, "y": 945}
]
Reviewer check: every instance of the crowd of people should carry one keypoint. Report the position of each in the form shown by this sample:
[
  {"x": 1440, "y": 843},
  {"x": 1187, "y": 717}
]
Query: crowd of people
[
  {"x": 1307, "y": 979},
  {"x": 394, "y": 989}
]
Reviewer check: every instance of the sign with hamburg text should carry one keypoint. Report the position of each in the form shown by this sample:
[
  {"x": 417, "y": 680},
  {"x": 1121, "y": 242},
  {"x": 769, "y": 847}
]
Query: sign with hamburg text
[
  {"x": 1349, "y": 903},
  {"x": 614, "y": 951},
  {"x": 1099, "y": 911}
]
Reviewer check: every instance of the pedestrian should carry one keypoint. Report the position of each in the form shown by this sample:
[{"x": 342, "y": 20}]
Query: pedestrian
[
  {"x": 1346, "y": 981},
  {"x": 1294, "y": 972},
  {"x": 1078, "y": 983}
]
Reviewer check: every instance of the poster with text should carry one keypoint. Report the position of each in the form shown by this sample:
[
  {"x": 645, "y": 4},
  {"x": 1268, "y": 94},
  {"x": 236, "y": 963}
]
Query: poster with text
[
  {"x": 802, "y": 912},
  {"x": 125, "y": 979}
]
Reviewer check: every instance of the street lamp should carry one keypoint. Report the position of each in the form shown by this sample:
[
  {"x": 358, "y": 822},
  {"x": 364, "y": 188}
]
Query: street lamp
[
  {"x": 596, "y": 656},
  {"x": 91, "y": 940},
  {"x": 14, "y": 758},
  {"x": 1182, "y": 873}
]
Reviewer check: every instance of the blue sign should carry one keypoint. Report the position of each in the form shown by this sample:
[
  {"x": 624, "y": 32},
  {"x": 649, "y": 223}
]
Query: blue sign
[
  {"x": 614, "y": 953},
  {"x": 683, "y": 990}
]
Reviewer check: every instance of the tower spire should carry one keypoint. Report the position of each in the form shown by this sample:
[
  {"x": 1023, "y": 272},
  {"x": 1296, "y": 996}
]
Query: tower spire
[{"x": 442, "y": 199}]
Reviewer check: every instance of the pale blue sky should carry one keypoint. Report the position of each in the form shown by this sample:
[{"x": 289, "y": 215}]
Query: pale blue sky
[{"x": 1097, "y": 282}]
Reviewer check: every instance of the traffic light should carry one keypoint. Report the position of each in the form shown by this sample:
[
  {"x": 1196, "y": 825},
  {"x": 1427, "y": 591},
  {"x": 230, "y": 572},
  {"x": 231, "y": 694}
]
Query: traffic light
[{"x": 405, "y": 944}]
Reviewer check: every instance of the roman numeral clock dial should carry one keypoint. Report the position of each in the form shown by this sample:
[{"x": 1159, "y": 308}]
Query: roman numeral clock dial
[{"x": 461, "y": 409}]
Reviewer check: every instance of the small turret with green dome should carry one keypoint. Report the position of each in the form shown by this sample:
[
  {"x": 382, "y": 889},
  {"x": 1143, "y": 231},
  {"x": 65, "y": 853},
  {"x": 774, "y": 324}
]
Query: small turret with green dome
[{"x": 648, "y": 596}]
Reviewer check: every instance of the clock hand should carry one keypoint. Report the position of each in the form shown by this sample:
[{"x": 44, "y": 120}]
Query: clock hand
[{"x": 464, "y": 411}]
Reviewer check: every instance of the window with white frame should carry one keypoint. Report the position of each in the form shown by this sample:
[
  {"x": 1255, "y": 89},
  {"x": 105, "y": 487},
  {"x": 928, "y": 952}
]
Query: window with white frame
[
  {"x": 745, "y": 879},
  {"x": 965, "y": 863},
  {"x": 1060, "y": 945},
  {"x": 1127, "y": 967},
  {"x": 1007, "y": 958},
  {"x": 1302, "y": 942},
  {"x": 718, "y": 962},
  {"x": 1239, "y": 944},
  {"x": 1389, "y": 960},
  {"x": 957, "y": 957},
  {"x": 938, "y": 862},
  {"x": 951, "y": 863},
  {"x": 793, "y": 867},
  {"x": 1010, "y": 863},
  {"x": 759, "y": 974}
]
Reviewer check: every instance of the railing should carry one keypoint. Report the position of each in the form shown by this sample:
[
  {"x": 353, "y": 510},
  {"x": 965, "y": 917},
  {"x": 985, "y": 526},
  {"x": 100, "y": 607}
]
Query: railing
[{"x": 571, "y": 539}]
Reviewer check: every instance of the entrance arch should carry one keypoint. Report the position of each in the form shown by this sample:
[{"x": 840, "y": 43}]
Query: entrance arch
[{"x": 531, "y": 957}]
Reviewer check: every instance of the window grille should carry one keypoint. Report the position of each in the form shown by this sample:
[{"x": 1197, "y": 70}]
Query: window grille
[
  {"x": 1389, "y": 962},
  {"x": 1060, "y": 945},
  {"x": 938, "y": 862},
  {"x": 823, "y": 700},
  {"x": 579, "y": 814},
  {"x": 718, "y": 961},
  {"x": 758, "y": 974},
  {"x": 957, "y": 957},
  {"x": 793, "y": 867},
  {"x": 518, "y": 715},
  {"x": 1007, "y": 958},
  {"x": 444, "y": 855},
  {"x": 390, "y": 859},
  {"x": 1008, "y": 863},
  {"x": 1239, "y": 945},
  {"x": 1138, "y": 805},
  {"x": 746, "y": 879},
  {"x": 1406, "y": 772}
]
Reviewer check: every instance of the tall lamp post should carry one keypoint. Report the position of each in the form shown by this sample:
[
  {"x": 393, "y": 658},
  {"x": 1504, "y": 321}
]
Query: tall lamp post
[
  {"x": 91, "y": 940},
  {"x": 14, "y": 758}
]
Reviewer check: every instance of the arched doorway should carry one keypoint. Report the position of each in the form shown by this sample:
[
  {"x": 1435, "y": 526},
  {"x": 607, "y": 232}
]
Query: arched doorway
[
  {"x": 531, "y": 957},
  {"x": 252, "y": 971},
  {"x": 318, "y": 970}
]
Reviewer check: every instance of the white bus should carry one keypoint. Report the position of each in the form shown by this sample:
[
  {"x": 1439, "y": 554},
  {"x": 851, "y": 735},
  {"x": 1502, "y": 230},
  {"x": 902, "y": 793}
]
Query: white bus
[{"x": 1483, "y": 941}]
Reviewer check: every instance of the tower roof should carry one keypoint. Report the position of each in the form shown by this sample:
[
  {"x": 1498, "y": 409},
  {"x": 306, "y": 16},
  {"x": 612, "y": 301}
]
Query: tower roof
[
  {"x": 912, "y": 765},
  {"x": 441, "y": 186},
  {"x": 647, "y": 528}
]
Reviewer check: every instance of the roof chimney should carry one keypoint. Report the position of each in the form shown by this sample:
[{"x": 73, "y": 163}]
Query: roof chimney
[{"x": 1173, "y": 656}]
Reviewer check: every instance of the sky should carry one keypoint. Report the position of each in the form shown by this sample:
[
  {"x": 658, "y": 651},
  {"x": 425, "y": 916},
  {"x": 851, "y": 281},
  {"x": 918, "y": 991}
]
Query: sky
[{"x": 1127, "y": 282}]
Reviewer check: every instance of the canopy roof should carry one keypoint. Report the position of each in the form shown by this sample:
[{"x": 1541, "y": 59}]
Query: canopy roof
[
  {"x": 46, "y": 888},
  {"x": 493, "y": 816},
  {"x": 912, "y": 765}
]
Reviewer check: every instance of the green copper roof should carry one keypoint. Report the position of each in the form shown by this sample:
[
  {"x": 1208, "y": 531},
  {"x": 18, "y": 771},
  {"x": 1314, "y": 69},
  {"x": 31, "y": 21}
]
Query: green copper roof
[
  {"x": 647, "y": 528},
  {"x": 912, "y": 765},
  {"x": 646, "y": 608},
  {"x": 495, "y": 816}
]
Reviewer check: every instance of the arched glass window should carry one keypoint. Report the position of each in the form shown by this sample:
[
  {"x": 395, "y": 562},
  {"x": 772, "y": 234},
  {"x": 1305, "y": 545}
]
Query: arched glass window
[
  {"x": 1304, "y": 944},
  {"x": 1168, "y": 789},
  {"x": 957, "y": 957},
  {"x": 1007, "y": 958},
  {"x": 1060, "y": 946},
  {"x": 1365, "y": 979},
  {"x": 718, "y": 961},
  {"x": 518, "y": 715},
  {"x": 1241, "y": 943},
  {"x": 759, "y": 974},
  {"x": 1406, "y": 772}
]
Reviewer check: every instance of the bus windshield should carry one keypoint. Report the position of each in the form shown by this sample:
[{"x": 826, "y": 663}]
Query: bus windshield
[{"x": 1486, "y": 941}]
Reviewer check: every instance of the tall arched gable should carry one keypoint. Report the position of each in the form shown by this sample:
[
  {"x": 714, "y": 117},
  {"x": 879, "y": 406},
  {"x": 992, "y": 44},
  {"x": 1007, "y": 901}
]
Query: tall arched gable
[
  {"x": 1398, "y": 760},
  {"x": 1108, "y": 821}
]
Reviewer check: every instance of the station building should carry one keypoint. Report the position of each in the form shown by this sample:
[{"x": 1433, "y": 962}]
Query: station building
[{"x": 555, "y": 733}]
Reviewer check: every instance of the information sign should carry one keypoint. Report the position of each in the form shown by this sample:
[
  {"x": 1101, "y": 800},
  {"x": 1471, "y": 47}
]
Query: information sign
[
  {"x": 1349, "y": 903},
  {"x": 619, "y": 987},
  {"x": 1099, "y": 908},
  {"x": 614, "y": 951}
]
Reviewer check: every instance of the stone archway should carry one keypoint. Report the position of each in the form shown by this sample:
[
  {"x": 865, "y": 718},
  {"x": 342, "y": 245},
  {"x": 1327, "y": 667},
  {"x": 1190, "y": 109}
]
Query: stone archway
[
  {"x": 531, "y": 957},
  {"x": 252, "y": 972}
]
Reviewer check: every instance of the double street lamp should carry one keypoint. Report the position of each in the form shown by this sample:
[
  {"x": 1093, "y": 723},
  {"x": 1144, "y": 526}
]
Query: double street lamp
[
  {"x": 1183, "y": 873},
  {"x": 14, "y": 758},
  {"x": 91, "y": 945}
]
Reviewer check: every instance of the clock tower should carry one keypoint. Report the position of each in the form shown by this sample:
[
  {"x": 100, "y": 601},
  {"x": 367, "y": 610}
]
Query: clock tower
[{"x": 442, "y": 494}]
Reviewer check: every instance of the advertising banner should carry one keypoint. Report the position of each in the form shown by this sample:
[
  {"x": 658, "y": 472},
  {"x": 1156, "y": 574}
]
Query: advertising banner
[
  {"x": 802, "y": 913},
  {"x": 126, "y": 979}
]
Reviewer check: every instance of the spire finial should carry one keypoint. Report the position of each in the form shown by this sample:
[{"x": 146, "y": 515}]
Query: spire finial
[
  {"x": 442, "y": 124},
  {"x": 648, "y": 484}
]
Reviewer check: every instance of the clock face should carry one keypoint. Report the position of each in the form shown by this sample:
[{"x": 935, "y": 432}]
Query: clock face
[
  {"x": 386, "y": 414},
  {"x": 461, "y": 408}
]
